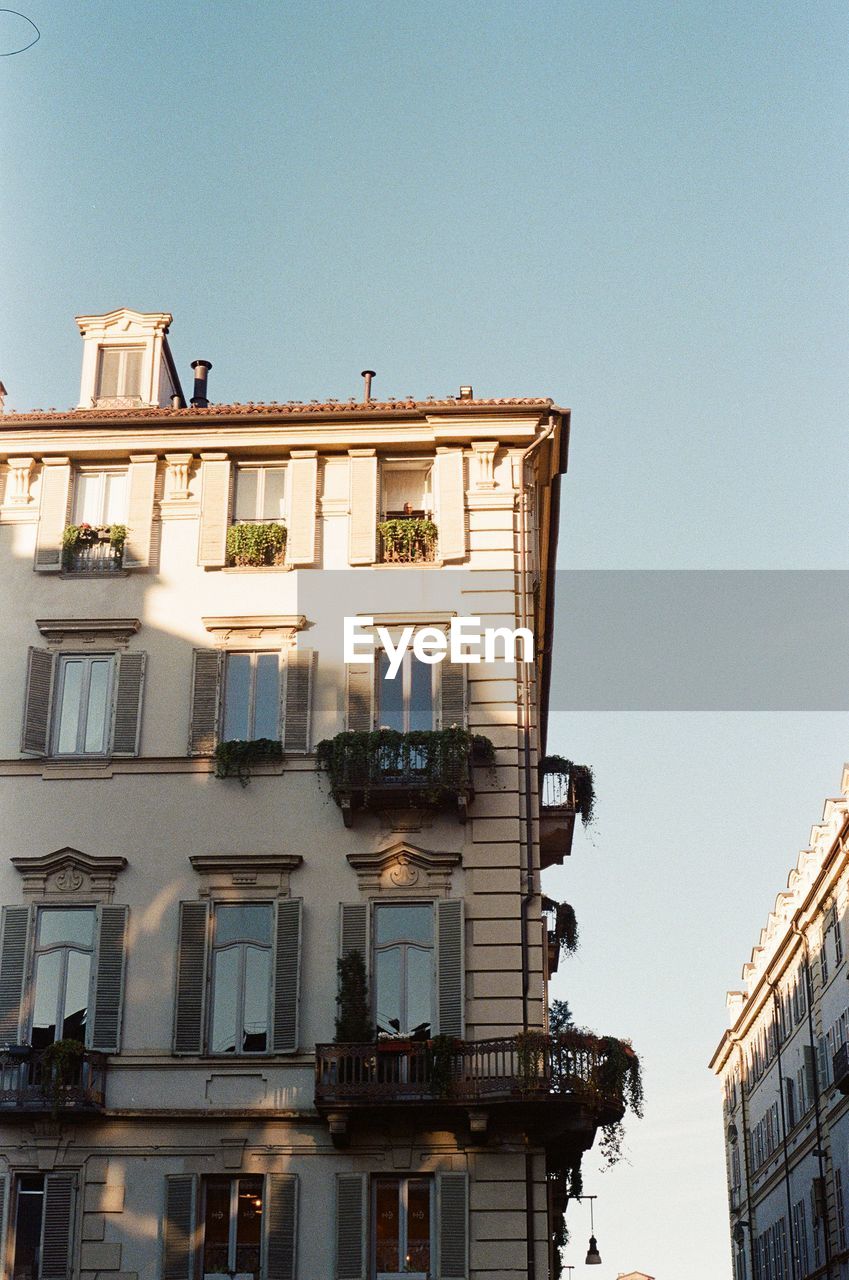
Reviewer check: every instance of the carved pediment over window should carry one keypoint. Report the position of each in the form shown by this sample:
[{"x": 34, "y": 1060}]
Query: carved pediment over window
[
  {"x": 69, "y": 873},
  {"x": 403, "y": 867},
  {"x": 270, "y": 628},
  {"x": 93, "y": 631},
  {"x": 262, "y": 875}
]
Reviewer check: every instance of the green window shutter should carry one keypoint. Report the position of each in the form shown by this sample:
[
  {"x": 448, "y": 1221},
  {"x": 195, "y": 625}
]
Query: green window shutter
[
  {"x": 178, "y": 1228},
  {"x": 207, "y": 667},
  {"x": 13, "y": 954},
  {"x": 450, "y": 504},
  {"x": 191, "y": 977},
  {"x": 287, "y": 975},
  {"x": 452, "y": 694},
  {"x": 453, "y": 1227},
  {"x": 353, "y": 930},
  {"x": 350, "y": 1226},
  {"x": 214, "y": 512},
  {"x": 360, "y": 698},
  {"x": 300, "y": 543},
  {"x": 35, "y": 735},
  {"x": 297, "y": 707},
  {"x": 109, "y": 980},
  {"x": 141, "y": 482},
  {"x": 450, "y": 966},
  {"x": 280, "y": 1213},
  {"x": 56, "y": 1227},
  {"x": 362, "y": 527},
  {"x": 52, "y": 517},
  {"x": 126, "y": 710}
]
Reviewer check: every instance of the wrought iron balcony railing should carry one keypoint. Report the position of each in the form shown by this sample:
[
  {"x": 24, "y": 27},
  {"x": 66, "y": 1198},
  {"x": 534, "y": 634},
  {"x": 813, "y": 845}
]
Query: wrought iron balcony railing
[
  {"x": 30, "y": 1081},
  {"x": 94, "y": 557}
]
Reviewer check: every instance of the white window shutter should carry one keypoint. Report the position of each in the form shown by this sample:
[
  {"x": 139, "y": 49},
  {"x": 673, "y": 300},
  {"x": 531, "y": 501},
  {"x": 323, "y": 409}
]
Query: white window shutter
[
  {"x": 300, "y": 540},
  {"x": 109, "y": 980},
  {"x": 53, "y": 515},
  {"x": 141, "y": 483},
  {"x": 35, "y": 734},
  {"x": 453, "y": 1226},
  {"x": 280, "y": 1222},
  {"x": 452, "y": 694},
  {"x": 351, "y": 1226},
  {"x": 450, "y": 504},
  {"x": 189, "y": 1002},
  {"x": 207, "y": 667},
  {"x": 178, "y": 1228},
  {"x": 214, "y": 512},
  {"x": 287, "y": 975},
  {"x": 56, "y": 1227},
  {"x": 353, "y": 930},
  {"x": 450, "y": 966},
  {"x": 362, "y": 528},
  {"x": 126, "y": 710},
  {"x": 359, "y": 698},
  {"x": 14, "y": 927},
  {"x": 297, "y": 708}
]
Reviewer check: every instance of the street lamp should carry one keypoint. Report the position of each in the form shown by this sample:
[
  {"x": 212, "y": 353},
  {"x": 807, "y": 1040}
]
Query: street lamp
[{"x": 593, "y": 1258}]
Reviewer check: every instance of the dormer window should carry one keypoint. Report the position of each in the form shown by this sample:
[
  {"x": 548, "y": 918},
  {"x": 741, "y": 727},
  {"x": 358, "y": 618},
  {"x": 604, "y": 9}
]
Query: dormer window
[{"x": 119, "y": 375}]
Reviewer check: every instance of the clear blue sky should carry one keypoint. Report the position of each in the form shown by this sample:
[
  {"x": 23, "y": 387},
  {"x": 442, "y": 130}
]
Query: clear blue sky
[{"x": 639, "y": 208}]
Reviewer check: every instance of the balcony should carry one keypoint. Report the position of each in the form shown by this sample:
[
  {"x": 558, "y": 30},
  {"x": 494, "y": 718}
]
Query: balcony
[
  {"x": 407, "y": 539},
  {"x": 553, "y": 1085},
  {"x": 388, "y": 770},
  {"x": 565, "y": 790},
  {"x": 561, "y": 931},
  {"x": 34, "y": 1082},
  {"x": 840, "y": 1068},
  {"x": 93, "y": 551}
]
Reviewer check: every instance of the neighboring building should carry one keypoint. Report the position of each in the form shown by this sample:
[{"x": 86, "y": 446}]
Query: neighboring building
[
  {"x": 177, "y": 933},
  {"x": 784, "y": 1065},
  {"x": 634, "y": 1275}
]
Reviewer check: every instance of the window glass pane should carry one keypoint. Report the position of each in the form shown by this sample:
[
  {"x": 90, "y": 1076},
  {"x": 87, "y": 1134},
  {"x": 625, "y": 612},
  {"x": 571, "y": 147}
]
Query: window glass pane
[
  {"x": 257, "y": 987},
  {"x": 247, "y": 481},
  {"x": 28, "y": 1227},
  {"x": 132, "y": 373},
  {"x": 47, "y": 971},
  {"x": 216, "y": 1235},
  {"x": 87, "y": 490},
  {"x": 69, "y": 708},
  {"x": 76, "y": 996},
  {"x": 98, "y": 696},
  {"x": 404, "y": 924},
  {"x": 418, "y": 1225},
  {"x": 421, "y": 695},
  {"x": 236, "y": 696},
  {"x": 405, "y": 485},
  {"x": 387, "y": 1225},
  {"x": 248, "y": 922},
  {"x": 114, "y": 497},
  {"x": 249, "y": 1226},
  {"x": 390, "y": 694},
  {"x": 419, "y": 987},
  {"x": 275, "y": 487},
  {"x": 388, "y": 990},
  {"x": 225, "y": 977},
  {"x": 73, "y": 924},
  {"x": 267, "y": 696}
]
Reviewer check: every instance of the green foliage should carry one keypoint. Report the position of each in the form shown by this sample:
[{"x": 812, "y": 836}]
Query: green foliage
[
  {"x": 433, "y": 763},
  {"x": 559, "y": 1017},
  {"x": 581, "y": 783},
  {"x": 407, "y": 539},
  {"x": 235, "y": 758},
  {"x": 566, "y": 928},
  {"x": 61, "y": 1062},
  {"x": 441, "y": 1051},
  {"x": 531, "y": 1048},
  {"x": 353, "y": 1021},
  {"x": 255, "y": 545},
  {"x": 77, "y": 536}
]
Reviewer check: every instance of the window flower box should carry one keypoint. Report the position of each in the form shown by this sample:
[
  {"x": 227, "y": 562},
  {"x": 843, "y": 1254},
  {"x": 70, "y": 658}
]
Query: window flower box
[
  {"x": 90, "y": 548},
  {"x": 256, "y": 544}
]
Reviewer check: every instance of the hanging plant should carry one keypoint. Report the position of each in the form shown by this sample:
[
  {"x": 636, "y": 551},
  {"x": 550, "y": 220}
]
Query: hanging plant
[
  {"x": 566, "y": 928},
  {"x": 353, "y": 1021},
  {"x": 61, "y": 1062},
  {"x": 235, "y": 758},
  {"x": 256, "y": 545},
  {"x": 407, "y": 539},
  {"x": 579, "y": 780},
  {"x": 433, "y": 764}
]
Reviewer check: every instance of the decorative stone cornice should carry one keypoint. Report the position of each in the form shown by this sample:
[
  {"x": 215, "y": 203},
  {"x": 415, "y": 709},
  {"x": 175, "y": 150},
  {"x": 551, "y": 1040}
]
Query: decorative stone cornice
[
  {"x": 88, "y": 630},
  {"x": 404, "y": 868},
  {"x": 69, "y": 873},
  {"x": 256, "y": 626},
  {"x": 231, "y": 874}
]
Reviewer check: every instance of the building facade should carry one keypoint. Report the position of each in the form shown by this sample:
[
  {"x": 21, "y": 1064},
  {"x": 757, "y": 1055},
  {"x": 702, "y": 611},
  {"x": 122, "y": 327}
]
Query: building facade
[
  {"x": 784, "y": 1066},
  {"x": 274, "y": 958}
]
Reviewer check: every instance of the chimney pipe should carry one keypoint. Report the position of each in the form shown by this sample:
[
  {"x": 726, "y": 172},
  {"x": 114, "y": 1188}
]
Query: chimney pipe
[
  {"x": 177, "y": 401},
  {"x": 368, "y": 374},
  {"x": 201, "y": 368},
  {"x": 466, "y": 393},
  {"x": 2, "y": 397}
]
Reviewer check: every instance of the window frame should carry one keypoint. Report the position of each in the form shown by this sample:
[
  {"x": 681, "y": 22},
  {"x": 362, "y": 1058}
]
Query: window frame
[
  {"x": 214, "y": 950},
  {"x": 62, "y": 662},
  {"x": 405, "y": 947},
  {"x": 101, "y": 472},
  {"x": 233, "y": 1221},
  {"x": 403, "y": 1181},
  {"x": 403, "y": 463},
  {"x": 63, "y": 948},
  {"x": 122, "y": 351},
  {"x": 253, "y": 655},
  {"x": 262, "y": 468},
  {"x": 405, "y": 675}
]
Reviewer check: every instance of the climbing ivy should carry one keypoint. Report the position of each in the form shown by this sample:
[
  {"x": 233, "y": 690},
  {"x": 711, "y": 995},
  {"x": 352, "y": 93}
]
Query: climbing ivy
[{"x": 235, "y": 758}]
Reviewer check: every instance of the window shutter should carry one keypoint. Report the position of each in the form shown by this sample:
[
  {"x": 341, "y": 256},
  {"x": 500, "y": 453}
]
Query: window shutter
[
  {"x": 4, "y": 1212},
  {"x": 36, "y": 727},
  {"x": 206, "y": 692},
  {"x": 362, "y": 529},
  {"x": 453, "y": 1202},
  {"x": 110, "y": 365},
  {"x": 287, "y": 975},
  {"x": 53, "y": 516},
  {"x": 215, "y": 503},
  {"x": 280, "y": 1214},
  {"x": 451, "y": 504},
  {"x": 178, "y": 1228},
  {"x": 126, "y": 712},
  {"x": 13, "y": 951},
  {"x": 56, "y": 1227},
  {"x": 350, "y": 1226},
  {"x": 191, "y": 978},
  {"x": 360, "y": 698},
  {"x": 450, "y": 966},
  {"x": 452, "y": 694},
  {"x": 297, "y": 709},
  {"x": 353, "y": 930},
  {"x": 300, "y": 542},
  {"x": 109, "y": 980},
  {"x": 141, "y": 482}
]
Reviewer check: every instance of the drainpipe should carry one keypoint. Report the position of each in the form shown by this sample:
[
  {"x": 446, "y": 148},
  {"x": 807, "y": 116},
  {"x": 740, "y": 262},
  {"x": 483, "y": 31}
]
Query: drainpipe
[
  {"x": 776, "y": 1004},
  {"x": 749, "y": 1215}
]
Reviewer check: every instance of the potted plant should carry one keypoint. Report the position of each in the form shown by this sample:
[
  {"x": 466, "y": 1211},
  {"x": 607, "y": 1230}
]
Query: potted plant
[
  {"x": 256, "y": 546},
  {"x": 407, "y": 539}
]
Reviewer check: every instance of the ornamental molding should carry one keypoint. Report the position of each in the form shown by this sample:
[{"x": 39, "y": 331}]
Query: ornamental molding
[
  {"x": 70, "y": 873},
  {"x": 256, "y": 626},
  {"x": 404, "y": 868},
  {"x": 233, "y": 875},
  {"x": 88, "y": 630}
]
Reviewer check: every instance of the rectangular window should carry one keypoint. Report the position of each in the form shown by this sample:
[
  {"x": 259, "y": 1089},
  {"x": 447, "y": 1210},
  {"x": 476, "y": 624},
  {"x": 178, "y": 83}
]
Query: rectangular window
[
  {"x": 260, "y": 495},
  {"x": 64, "y": 946},
  {"x": 406, "y": 488},
  {"x": 232, "y": 1228},
  {"x": 251, "y": 696},
  {"x": 119, "y": 375},
  {"x": 408, "y": 701},
  {"x": 241, "y": 978},
  {"x": 402, "y": 1218},
  {"x": 404, "y": 969},
  {"x": 100, "y": 498},
  {"x": 29, "y": 1215},
  {"x": 83, "y": 703}
]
